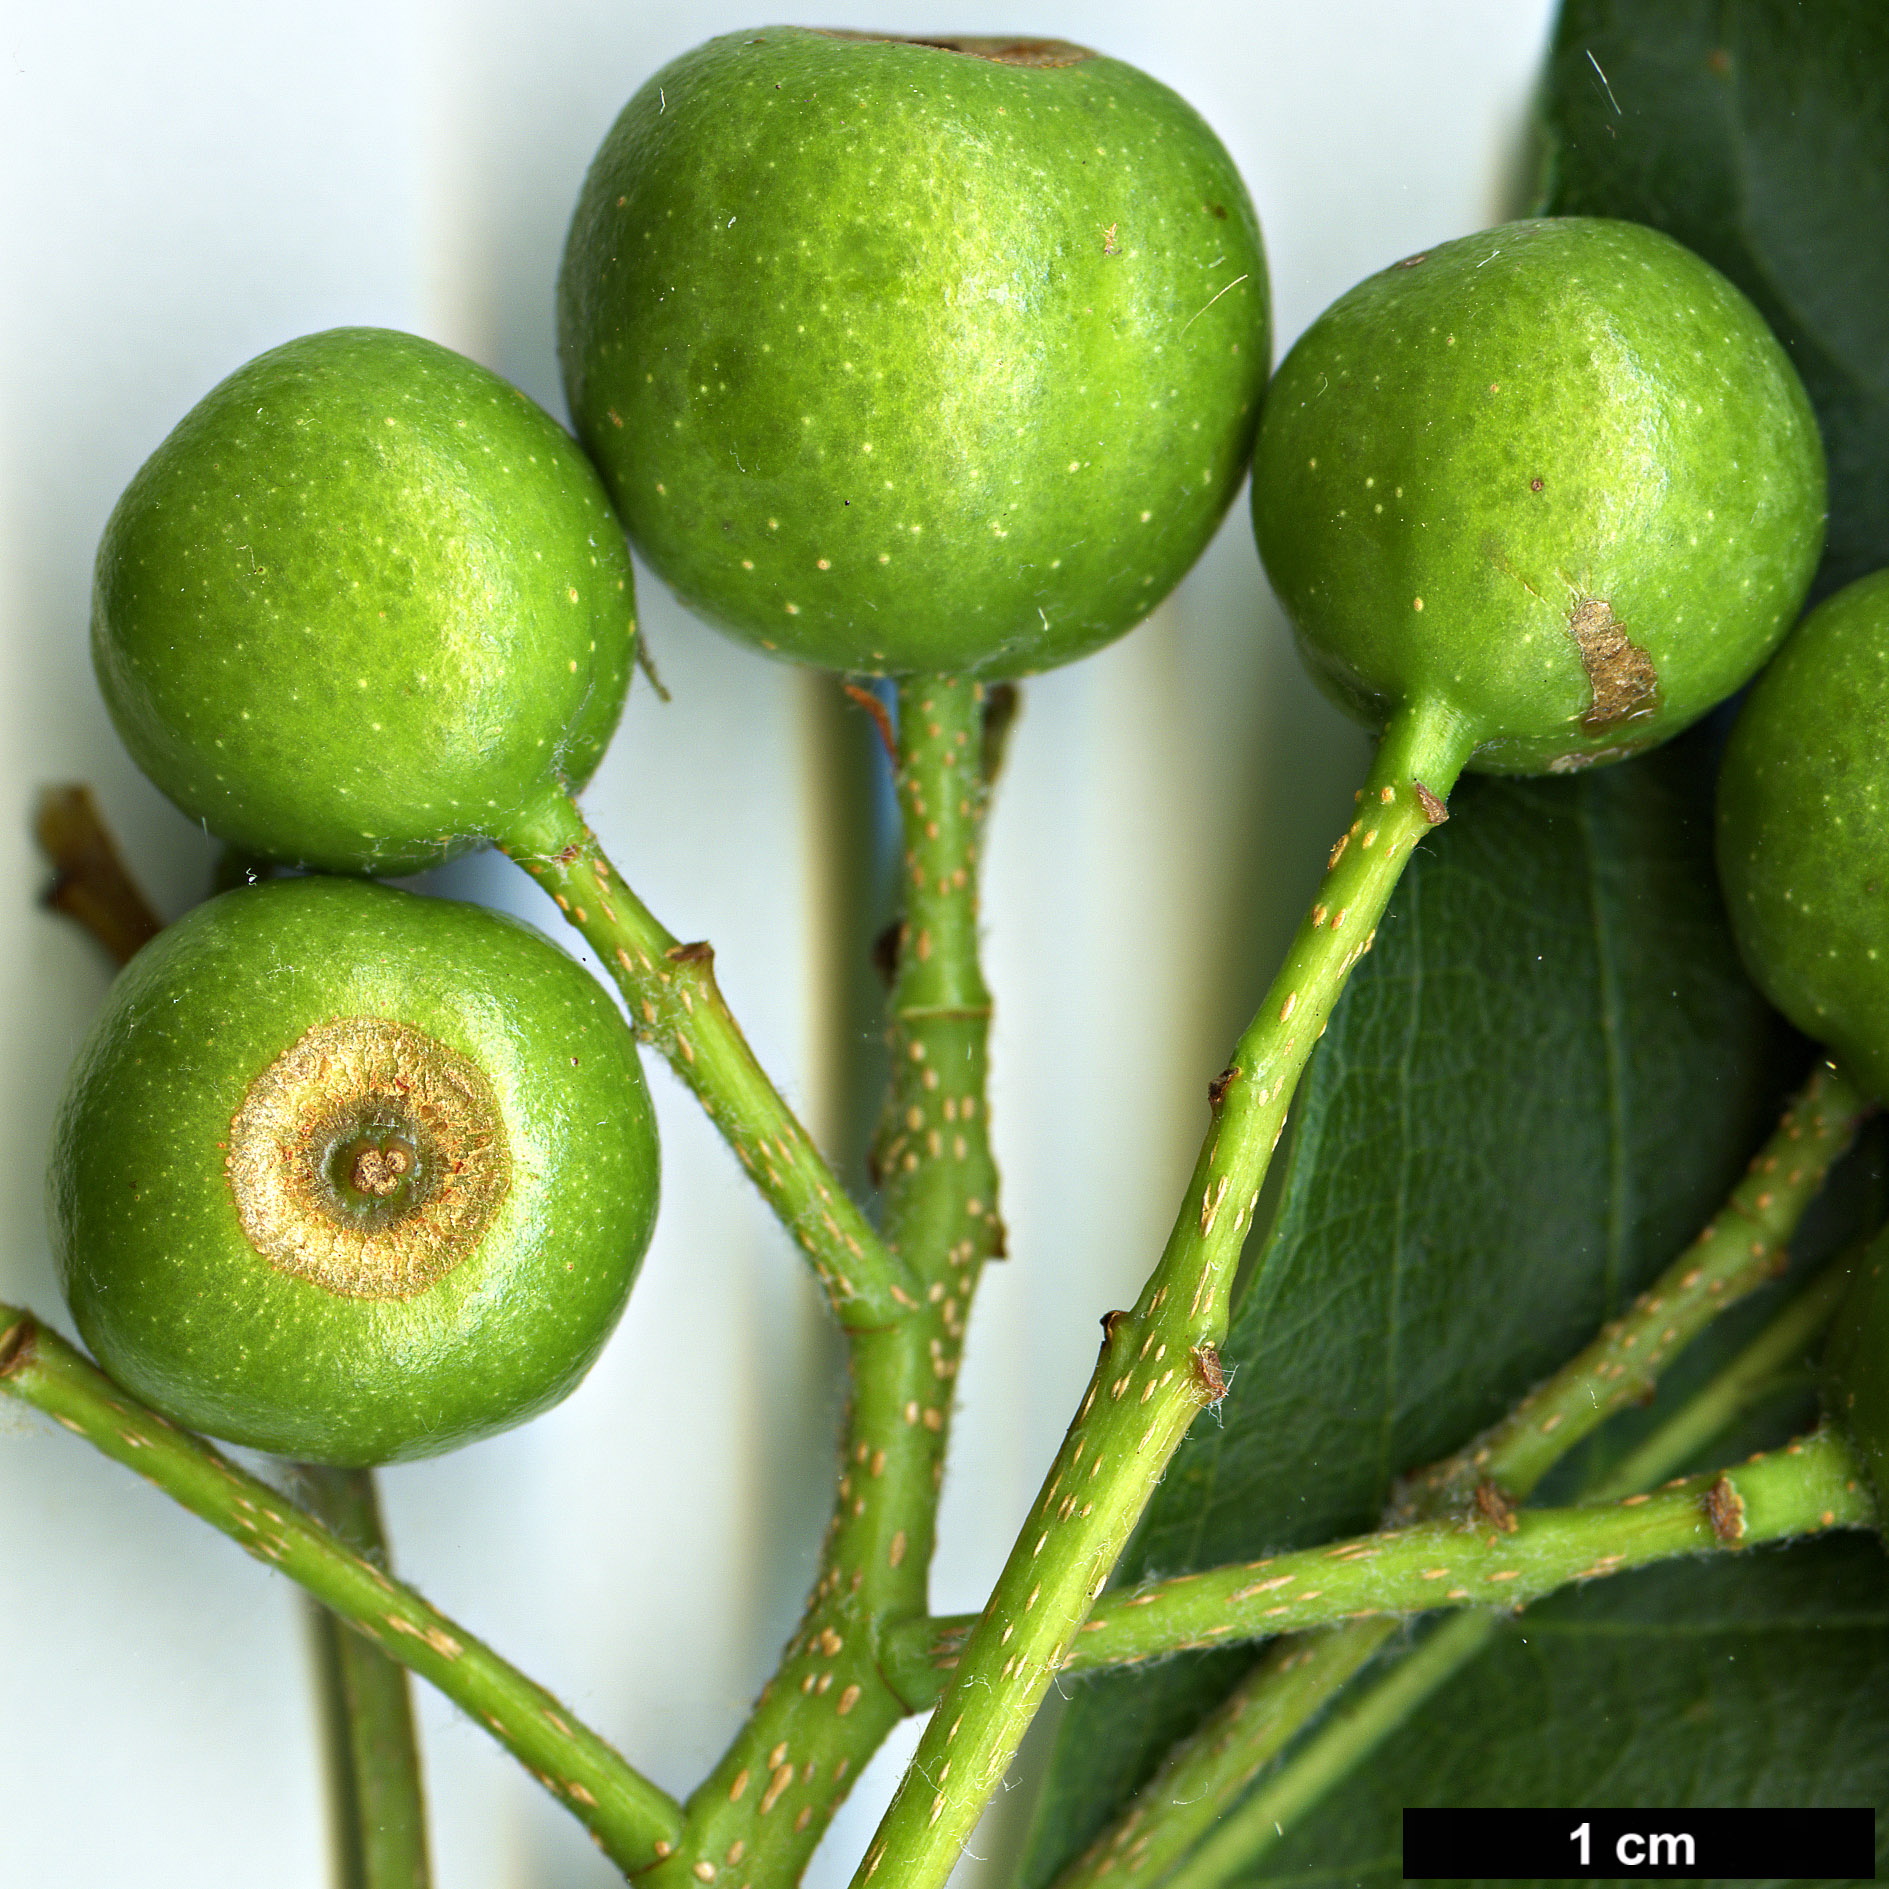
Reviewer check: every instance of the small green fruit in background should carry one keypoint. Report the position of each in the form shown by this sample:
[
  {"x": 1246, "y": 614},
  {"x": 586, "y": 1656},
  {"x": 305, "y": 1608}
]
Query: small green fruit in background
[
  {"x": 904, "y": 356},
  {"x": 1803, "y": 829},
  {"x": 1557, "y": 478},
  {"x": 363, "y": 605},
  {"x": 352, "y": 1175}
]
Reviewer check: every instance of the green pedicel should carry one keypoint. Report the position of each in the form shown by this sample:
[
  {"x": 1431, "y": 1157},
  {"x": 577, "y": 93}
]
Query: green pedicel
[{"x": 1477, "y": 691}]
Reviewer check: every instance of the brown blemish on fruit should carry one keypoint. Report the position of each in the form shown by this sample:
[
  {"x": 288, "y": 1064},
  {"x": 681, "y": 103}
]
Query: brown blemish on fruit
[
  {"x": 1620, "y": 672},
  {"x": 355, "y": 1080},
  {"x": 1583, "y": 758},
  {"x": 1005, "y": 52},
  {"x": 1013, "y": 52}
]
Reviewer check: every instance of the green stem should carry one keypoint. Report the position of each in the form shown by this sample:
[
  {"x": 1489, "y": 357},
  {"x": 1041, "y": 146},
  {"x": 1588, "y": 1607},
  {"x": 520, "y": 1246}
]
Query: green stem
[
  {"x": 632, "y": 1820},
  {"x": 379, "y": 1805},
  {"x": 379, "y": 1800},
  {"x": 1350, "y": 1737},
  {"x": 90, "y": 885},
  {"x": 1741, "y": 1249},
  {"x": 1208, "y": 1771},
  {"x": 829, "y": 1706},
  {"x": 1159, "y": 1365},
  {"x": 1444, "y": 1564},
  {"x": 1782, "y": 1346},
  {"x": 1818, "y": 1480},
  {"x": 677, "y": 1006},
  {"x": 1204, "y": 1773}
]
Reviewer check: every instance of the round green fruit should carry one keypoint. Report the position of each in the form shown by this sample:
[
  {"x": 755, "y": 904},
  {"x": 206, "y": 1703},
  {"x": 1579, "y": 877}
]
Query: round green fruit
[
  {"x": 1803, "y": 829},
  {"x": 352, "y": 1175},
  {"x": 915, "y": 356},
  {"x": 1557, "y": 479},
  {"x": 363, "y": 606}
]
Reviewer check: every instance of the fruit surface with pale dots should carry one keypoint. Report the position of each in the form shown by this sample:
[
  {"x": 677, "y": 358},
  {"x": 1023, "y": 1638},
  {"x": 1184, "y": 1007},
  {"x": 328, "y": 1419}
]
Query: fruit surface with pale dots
[
  {"x": 365, "y": 605},
  {"x": 886, "y": 347},
  {"x": 1558, "y": 479}
]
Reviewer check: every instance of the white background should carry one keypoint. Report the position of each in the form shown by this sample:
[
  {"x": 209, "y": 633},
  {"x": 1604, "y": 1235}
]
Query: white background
[{"x": 186, "y": 185}]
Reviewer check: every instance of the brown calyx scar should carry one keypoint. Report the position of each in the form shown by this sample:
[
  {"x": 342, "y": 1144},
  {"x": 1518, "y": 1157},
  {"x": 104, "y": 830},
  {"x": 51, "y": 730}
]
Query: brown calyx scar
[
  {"x": 368, "y": 1159},
  {"x": 379, "y": 1168},
  {"x": 1619, "y": 671}
]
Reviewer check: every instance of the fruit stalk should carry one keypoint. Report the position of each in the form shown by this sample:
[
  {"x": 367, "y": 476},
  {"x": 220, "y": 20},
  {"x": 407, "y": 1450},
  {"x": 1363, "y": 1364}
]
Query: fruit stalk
[
  {"x": 1139, "y": 1625},
  {"x": 676, "y": 1005},
  {"x": 1205, "y": 1775},
  {"x": 1739, "y": 1250},
  {"x": 90, "y": 885},
  {"x": 1159, "y": 1366},
  {"x": 1337, "y": 1750},
  {"x": 630, "y": 1818},
  {"x": 377, "y": 1796},
  {"x": 1443, "y": 1564},
  {"x": 1434, "y": 1565},
  {"x": 1340, "y": 1747},
  {"x": 829, "y": 1705}
]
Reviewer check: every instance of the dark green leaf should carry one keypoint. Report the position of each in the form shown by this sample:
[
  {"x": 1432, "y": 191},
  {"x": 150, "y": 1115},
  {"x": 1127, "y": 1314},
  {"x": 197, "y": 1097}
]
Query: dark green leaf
[
  {"x": 1757, "y": 133},
  {"x": 1541, "y": 1083}
]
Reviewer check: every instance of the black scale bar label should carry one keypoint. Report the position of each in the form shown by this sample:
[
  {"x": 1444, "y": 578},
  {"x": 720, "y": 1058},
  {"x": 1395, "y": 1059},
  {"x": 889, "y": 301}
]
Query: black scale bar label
[{"x": 1618, "y": 1845}]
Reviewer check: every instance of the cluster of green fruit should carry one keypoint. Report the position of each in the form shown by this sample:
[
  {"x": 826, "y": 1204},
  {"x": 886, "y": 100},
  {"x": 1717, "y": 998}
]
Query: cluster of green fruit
[{"x": 356, "y": 1175}]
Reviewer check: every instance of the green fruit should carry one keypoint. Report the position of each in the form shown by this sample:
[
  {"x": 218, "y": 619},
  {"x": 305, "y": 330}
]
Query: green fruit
[
  {"x": 1803, "y": 829},
  {"x": 1557, "y": 479},
  {"x": 1856, "y": 1364},
  {"x": 363, "y": 606},
  {"x": 352, "y": 1175},
  {"x": 907, "y": 356}
]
